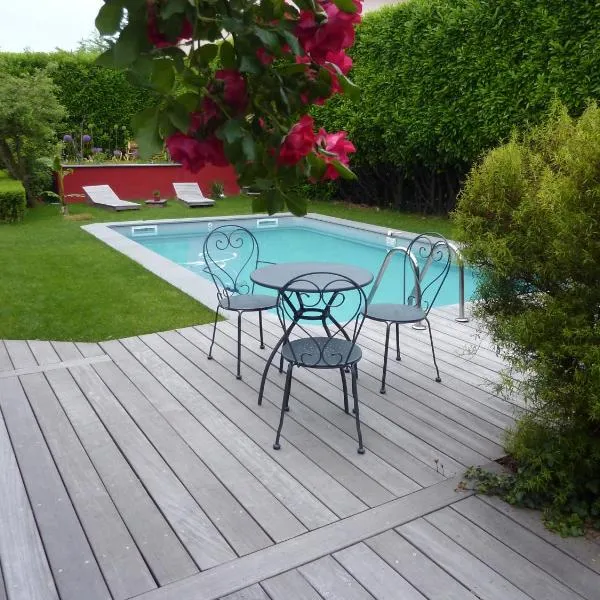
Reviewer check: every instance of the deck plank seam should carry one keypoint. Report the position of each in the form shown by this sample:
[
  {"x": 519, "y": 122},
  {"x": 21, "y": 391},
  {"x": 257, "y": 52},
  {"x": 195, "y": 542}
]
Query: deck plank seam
[{"x": 53, "y": 367}]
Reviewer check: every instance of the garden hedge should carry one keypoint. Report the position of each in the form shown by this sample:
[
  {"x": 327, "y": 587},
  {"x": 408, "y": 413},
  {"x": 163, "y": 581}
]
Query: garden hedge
[
  {"x": 442, "y": 81},
  {"x": 12, "y": 199},
  {"x": 92, "y": 95}
]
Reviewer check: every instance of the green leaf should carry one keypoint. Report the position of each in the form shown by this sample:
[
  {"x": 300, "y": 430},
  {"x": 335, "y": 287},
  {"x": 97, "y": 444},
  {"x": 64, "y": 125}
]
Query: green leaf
[
  {"x": 259, "y": 204},
  {"x": 173, "y": 7},
  {"x": 189, "y": 100},
  {"x": 206, "y": 54},
  {"x": 249, "y": 64},
  {"x": 128, "y": 46},
  {"x": 180, "y": 117},
  {"x": 163, "y": 75},
  {"x": 343, "y": 170},
  {"x": 227, "y": 55},
  {"x": 232, "y": 130},
  {"x": 296, "y": 204},
  {"x": 346, "y": 5},
  {"x": 349, "y": 88},
  {"x": 292, "y": 41},
  {"x": 249, "y": 148},
  {"x": 268, "y": 38},
  {"x": 317, "y": 166},
  {"x": 145, "y": 126},
  {"x": 109, "y": 17}
]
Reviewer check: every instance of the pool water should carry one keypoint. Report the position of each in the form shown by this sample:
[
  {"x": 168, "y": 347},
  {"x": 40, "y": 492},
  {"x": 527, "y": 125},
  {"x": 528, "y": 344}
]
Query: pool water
[{"x": 298, "y": 242}]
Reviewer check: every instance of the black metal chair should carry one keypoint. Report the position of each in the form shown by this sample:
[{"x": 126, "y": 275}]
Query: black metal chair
[
  {"x": 338, "y": 305},
  {"x": 230, "y": 254},
  {"x": 426, "y": 262}
]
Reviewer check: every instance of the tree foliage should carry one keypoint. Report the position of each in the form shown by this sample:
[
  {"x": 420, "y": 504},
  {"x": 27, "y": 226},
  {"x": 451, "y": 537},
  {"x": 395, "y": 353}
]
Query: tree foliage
[
  {"x": 274, "y": 60},
  {"x": 442, "y": 81},
  {"x": 29, "y": 115},
  {"x": 530, "y": 219}
]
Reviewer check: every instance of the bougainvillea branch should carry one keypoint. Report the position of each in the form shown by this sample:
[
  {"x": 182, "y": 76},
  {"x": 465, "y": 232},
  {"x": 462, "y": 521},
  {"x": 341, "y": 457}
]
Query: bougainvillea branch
[{"x": 235, "y": 80}]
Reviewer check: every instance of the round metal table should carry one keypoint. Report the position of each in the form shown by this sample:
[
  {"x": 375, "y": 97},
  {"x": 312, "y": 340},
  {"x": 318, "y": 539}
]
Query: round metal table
[
  {"x": 325, "y": 277},
  {"x": 277, "y": 276}
]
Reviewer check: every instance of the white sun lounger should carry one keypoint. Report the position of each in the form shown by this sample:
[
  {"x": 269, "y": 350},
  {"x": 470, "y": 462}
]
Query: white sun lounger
[
  {"x": 191, "y": 194},
  {"x": 103, "y": 196}
]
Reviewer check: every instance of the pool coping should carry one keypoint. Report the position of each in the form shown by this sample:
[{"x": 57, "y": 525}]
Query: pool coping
[{"x": 190, "y": 283}]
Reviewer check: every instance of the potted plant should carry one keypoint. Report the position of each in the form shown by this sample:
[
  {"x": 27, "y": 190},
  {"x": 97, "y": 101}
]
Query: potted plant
[{"x": 156, "y": 195}]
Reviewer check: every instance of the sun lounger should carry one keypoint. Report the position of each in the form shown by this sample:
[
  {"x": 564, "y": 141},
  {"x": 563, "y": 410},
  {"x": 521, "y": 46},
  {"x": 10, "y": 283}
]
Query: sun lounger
[
  {"x": 103, "y": 196},
  {"x": 191, "y": 194}
]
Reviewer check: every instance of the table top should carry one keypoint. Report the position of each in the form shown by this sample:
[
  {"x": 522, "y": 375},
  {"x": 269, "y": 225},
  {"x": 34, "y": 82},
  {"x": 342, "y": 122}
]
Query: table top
[{"x": 277, "y": 276}]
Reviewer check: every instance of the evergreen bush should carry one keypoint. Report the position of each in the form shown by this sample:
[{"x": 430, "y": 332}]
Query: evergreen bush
[
  {"x": 12, "y": 199},
  {"x": 442, "y": 81},
  {"x": 530, "y": 218}
]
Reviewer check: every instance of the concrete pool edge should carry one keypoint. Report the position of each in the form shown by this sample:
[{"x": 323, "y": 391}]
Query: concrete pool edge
[{"x": 186, "y": 281}]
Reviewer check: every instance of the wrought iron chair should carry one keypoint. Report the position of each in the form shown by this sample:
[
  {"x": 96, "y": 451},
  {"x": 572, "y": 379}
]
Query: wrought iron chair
[
  {"x": 426, "y": 263},
  {"x": 230, "y": 254},
  {"x": 338, "y": 304}
]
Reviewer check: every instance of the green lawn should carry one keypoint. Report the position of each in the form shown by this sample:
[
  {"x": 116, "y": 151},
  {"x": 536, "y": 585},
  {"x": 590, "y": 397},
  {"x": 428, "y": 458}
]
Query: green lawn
[{"x": 57, "y": 282}]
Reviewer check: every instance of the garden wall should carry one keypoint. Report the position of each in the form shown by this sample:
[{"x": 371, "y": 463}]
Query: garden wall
[{"x": 138, "y": 181}]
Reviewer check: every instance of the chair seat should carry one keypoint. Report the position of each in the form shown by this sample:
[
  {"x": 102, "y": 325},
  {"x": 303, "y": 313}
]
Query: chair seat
[
  {"x": 321, "y": 352},
  {"x": 248, "y": 302},
  {"x": 395, "y": 313}
]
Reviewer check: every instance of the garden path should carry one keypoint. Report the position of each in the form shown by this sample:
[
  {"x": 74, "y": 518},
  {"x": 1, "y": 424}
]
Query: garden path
[{"x": 136, "y": 468}]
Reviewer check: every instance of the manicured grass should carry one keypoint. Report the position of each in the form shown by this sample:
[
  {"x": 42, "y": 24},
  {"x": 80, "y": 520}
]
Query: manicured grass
[{"x": 60, "y": 283}]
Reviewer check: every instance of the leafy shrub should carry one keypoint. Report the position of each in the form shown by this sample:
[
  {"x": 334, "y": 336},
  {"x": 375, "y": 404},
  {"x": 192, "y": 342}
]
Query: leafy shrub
[
  {"x": 442, "y": 81},
  {"x": 12, "y": 199},
  {"x": 98, "y": 100},
  {"x": 529, "y": 216}
]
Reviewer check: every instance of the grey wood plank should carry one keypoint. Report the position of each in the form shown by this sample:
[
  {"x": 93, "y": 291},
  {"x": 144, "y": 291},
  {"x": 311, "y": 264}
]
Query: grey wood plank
[
  {"x": 67, "y": 350},
  {"x": 410, "y": 465},
  {"x": 23, "y": 563},
  {"x": 2, "y": 588},
  {"x": 561, "y": 566},
  {"x": 291, "y": 493},
  {"x": 119, "y": 559},
  {"x": 579, "y": 548},
  {"x": 231, "y": 496},
  {"x": 312, "y": 476},
  {"x": 254, "y": 592},
  {"x": 375, "y": 574},
  {"x": 317, "y": 405},
  {"x": 71, "y": 559},
  {"x": 512, "y": 566},
  {"x": 5, "y": 362},
  {"x": 198, "y": 534},
  {"x": 290, "y": 586},
  {"x": 323, "y": 397},
  {"x": 332, "y": 581},
  {"x": 162, "y": 550},
  {"x": 52, "y": 367},
  {"x": 310, "y": 546},
  {"x": 475, "y": 575},
  {"x": 20, "y": 354},
  {"x": 89, "y": 349},
  {"x": 43, "y": 352},
  {"x": 204, "y": 374},
  {"x": 417, "y": 569}
]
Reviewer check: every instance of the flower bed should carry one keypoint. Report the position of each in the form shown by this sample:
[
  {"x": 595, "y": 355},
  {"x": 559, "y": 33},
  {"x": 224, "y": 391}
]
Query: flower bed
[{"x": 135, "y": 181}]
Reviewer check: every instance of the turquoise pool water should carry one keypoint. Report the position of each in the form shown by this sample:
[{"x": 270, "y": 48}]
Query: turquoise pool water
[{"x": 294, "y": 239}]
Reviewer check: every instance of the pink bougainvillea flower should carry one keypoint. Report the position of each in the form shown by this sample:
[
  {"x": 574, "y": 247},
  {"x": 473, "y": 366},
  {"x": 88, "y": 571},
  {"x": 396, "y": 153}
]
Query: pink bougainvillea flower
[
  {"x": 264, "y": 57},
  {"x": 194, "y": 154},
  {"x": 156, "y": 37},
  {"x": 235, "y": 92},
  {"x": 298, "y": 143},
  {"x": 208, "y": 111},
  {"x": 340, "y": 59},
  {"x": 338, "y": 147}
]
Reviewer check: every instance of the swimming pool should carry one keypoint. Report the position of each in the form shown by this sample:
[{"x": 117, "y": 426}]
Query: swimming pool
[{"x": 282, "y": 238}]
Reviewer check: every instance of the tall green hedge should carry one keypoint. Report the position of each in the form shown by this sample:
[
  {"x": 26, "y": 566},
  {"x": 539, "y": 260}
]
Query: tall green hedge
[
  {"x": 90, "y": 93},
  {"x": 12, "y": 199},
  {"x": 444, "y": 80}
]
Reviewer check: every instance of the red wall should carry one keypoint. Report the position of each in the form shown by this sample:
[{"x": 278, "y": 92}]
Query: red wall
[{"x": 138, "y": 181}]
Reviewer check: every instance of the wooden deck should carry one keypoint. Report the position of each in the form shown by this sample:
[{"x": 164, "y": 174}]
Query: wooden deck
[{"x": 136, "y": 468}]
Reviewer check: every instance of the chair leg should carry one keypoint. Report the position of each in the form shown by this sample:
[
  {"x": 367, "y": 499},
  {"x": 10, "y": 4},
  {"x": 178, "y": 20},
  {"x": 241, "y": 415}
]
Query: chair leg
[
  {"x": 212, "y": 341},
  {"x": 260, "y": 327},
  {"x": 354, "y": 371},
  {"x": 385, "y": 357},
  {"x": 239, "y": 347},
  {"x": 437, "y": 371},
  {"x": 398, "y": 341},
  {"x": 344, "y": 388},
  {"x": 284, "y": 404}
]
